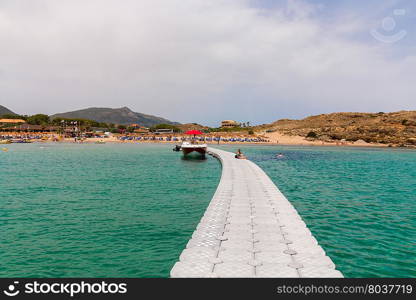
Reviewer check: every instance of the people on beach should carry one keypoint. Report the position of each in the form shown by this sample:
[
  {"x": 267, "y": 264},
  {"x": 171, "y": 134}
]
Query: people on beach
[{"x": 55, "y": 137}]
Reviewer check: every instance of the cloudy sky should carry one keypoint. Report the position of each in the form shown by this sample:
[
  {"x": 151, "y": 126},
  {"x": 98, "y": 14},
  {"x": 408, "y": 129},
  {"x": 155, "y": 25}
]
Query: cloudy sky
[{"x": 208, "y": 60}]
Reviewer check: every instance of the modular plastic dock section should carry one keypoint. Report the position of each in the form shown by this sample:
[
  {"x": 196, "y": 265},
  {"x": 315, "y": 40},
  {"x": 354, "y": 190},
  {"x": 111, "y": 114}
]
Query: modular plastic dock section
[{"x": 250, "y": 229}]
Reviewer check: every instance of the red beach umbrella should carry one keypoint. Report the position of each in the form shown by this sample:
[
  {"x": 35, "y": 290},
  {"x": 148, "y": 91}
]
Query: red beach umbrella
[{"x": 193, "y": 132}]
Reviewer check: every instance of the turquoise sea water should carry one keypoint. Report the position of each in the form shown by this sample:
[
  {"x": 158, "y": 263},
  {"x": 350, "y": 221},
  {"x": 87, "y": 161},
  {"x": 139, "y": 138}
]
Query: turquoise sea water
[
  {"x": 98, "y": 210},
  {"x": 128, "y": 210},
  {"x": 360, "y": 204}
]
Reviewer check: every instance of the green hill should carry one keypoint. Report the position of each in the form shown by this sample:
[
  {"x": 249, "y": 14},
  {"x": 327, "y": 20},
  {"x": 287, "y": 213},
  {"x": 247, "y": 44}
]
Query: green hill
[{"x": 122, "y": 116}]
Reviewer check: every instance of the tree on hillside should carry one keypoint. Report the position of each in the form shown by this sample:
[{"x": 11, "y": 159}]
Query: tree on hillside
[
  {"x": 312, "y": 134},
  {"x": 39, "y": 119}
]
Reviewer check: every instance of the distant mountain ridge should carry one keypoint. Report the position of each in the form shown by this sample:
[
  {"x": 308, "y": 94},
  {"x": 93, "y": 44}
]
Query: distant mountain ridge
[
  {"x": 5, "y": 111},
  {"x": 122, "y": 116}
]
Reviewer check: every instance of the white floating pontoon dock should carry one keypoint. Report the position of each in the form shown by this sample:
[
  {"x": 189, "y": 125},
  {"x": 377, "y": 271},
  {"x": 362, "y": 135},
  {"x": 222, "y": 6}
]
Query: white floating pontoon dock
[{"x": 250, "y": 229}]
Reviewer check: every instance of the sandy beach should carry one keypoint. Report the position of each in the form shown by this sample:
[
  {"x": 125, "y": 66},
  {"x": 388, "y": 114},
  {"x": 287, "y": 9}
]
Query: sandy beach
[
  {"x": 273, "y": 138},
  {"x": 281, "y": 139}
]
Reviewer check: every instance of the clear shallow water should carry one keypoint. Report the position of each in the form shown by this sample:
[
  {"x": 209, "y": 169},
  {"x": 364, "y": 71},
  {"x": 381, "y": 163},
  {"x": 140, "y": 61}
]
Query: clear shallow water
[
  {"x": 99, "y": 210},
  {"x": 129, "y": 210},
  {"x": 359, "y": 203}
]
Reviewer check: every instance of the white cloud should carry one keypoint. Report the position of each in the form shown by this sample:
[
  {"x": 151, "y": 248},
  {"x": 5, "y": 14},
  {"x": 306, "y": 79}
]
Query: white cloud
[{"x": 193, "y": 60}]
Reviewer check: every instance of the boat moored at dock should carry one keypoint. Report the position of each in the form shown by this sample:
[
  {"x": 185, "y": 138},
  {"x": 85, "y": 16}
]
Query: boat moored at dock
[
  {"x": 188, "y": 148},
  {"x": 193, "y": 145}
]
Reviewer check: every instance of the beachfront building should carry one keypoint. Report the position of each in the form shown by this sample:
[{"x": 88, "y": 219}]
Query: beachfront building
[
  {"x": 11, "y": 121},
  {"x": 164, "y": 130},
  {"x": 31, "y": 128},
  {"x": 229, "y": 123},
  {"x": 141, "y": 130},
  {"x": 98, "y": 129}
]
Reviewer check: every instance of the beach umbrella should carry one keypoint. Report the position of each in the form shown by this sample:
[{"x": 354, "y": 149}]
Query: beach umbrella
[{"x": 193, "y": 132}]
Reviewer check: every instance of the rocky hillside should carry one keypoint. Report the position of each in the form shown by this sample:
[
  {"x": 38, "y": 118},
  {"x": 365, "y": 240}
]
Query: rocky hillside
[
  {"x": 122, "y": 116},
  {"x": 397, "y": 128},
  {"x": 5, "y": 111}
]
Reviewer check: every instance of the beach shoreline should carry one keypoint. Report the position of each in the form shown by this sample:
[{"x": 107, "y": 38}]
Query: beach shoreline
[{"x": 270, "y": 139}]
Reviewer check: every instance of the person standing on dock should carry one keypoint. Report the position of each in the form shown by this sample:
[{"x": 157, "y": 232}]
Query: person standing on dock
[{"x": 240, "y": 155}]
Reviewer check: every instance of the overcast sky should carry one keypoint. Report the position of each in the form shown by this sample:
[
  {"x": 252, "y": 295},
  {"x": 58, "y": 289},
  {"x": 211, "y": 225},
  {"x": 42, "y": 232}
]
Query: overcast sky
[{"x": 207, "y": 60}]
